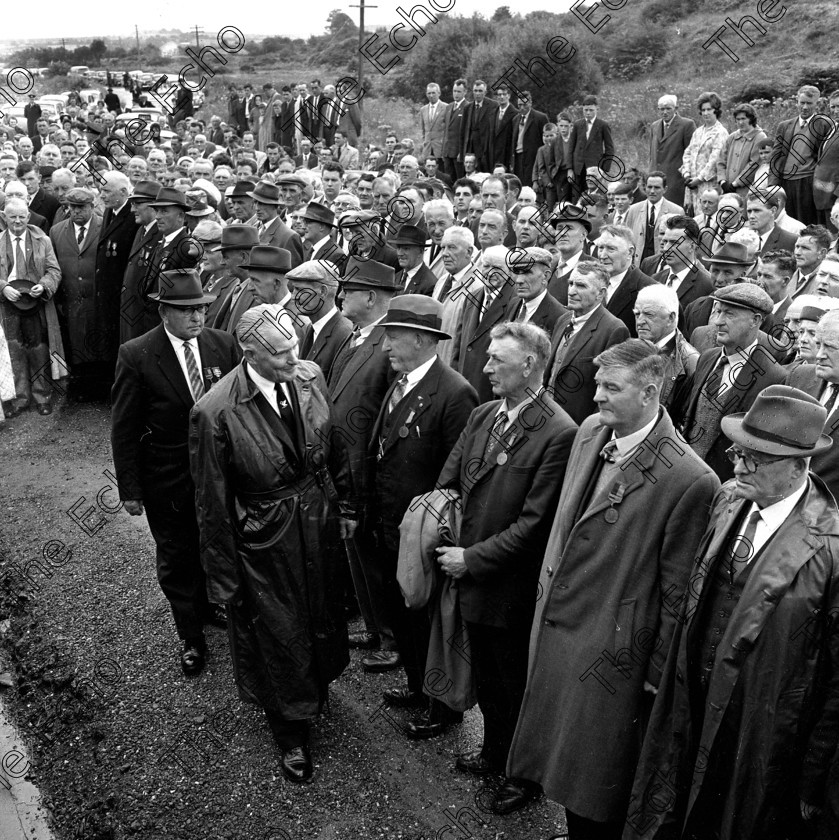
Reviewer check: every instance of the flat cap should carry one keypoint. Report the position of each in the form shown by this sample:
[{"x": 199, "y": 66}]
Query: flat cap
[
  {"x": 315, "y": 271},
  {"x": 746, "y": 296},
  {"x": 79, "y": 195},
  {"x": 355, "y": 218},
  {"x": 292, "y": 180}
]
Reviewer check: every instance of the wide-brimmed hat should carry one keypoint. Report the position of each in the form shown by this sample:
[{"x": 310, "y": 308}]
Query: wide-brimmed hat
[
  {"x": 269, "y": 258},
  {"x": 181, "y": 287},
  {"x": 238, "y": 237},
  {"x": 415, "y": 312},
  {"x": 198, "y": 207},
  {"x": 731, "y": 253},
  {"x": 782, "y": 421},
  {"x": 266, "y": 193},
  {"x": 315, "y": 212},
  {"x": 409, "y": 235},
  {"x": 355, "y": 218},
  {"x": 25, "y": 302},
  {"x": 369, "y": 274},
  {"x": 243, "y": 189},
  {"x": 145, "y": 192},
  {"x": 170, "y": 197},
  {"x": 746, "y": 296},
  {"x": 570, "y": 213}
]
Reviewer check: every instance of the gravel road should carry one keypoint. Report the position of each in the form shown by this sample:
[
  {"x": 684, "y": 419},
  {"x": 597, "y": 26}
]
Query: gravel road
[{"x": 124, "y": 746}]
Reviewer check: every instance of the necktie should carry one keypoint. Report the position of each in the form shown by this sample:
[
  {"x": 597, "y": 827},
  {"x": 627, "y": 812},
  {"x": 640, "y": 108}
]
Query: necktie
[
  {"x": 652, "y": 216},
  {"x": 618, "y": 220},
  {"x": 20, "y": 259},
  {"x": 447, "y": 287},
  {"x": 714, "y": 383},
  {"x": 286, "y": 412},
  {"x": 609, "y": 451},
  {"x": 308, "y": 341},
  {"x": 588, "y": 129},
  {"x": 195, "y": 383},
  {"x": 80, "y": 237},
  {"x": 404, "y": 279},
  {"x": 707, "y": 222},
  {"x": 356, "y": 337},
  {"x": 398, "y": 393},
  {"x": 486, "y": 303},
  {"x": 495, "y": 436},
  {"x": 741, "y": 550},
  {"x": 560, "y": 352},
  {"x": 521, "y": 315},
  {"x": 831, "y": 400},
  {"x": 671, "y": 279}
]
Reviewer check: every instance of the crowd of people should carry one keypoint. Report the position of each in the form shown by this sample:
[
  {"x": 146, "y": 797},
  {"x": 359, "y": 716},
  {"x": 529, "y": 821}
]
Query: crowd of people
[{"x": 560, "y": 431}]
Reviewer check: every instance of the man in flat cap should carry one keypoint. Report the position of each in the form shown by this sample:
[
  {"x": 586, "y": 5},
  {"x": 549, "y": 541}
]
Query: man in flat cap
[
  {"x": 74, "y": 241},
  {"x": 419, "y": 422},
  {"x": 728, "y": 377},
  {"x": 744, "y": 724},
  {"x": 272, "y": 229},
  {"x": 314, "y": 286},
  {"x": 291, "y": 189},
  {"x": 159, "y": 377},
  {"x": 533, "y": 304}
]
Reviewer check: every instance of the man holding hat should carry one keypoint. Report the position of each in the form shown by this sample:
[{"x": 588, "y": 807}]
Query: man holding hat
[
  {"x": 533, "y": 304},
  {"x": 74, "y": 241},
  {"x": 319, "y": 225},
  {"x": 728, "y": 377},
  {"x": 416, "y": 278},
  {"x": 137, "y": 313},
  {"x": 314, "y": 285},
  {"x": 159, "y": 377},
  {"x": 419, "y": 422},
  {"x": 271, "y": 228},
  {"x": 235, "y": 250},
  {"x": 743, "y": 727},
  {"x": 360, "y": 377},
  {"x": 29, "y": 278}
]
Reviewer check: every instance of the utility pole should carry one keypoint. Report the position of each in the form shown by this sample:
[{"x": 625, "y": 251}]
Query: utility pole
[
  {"x": 360, "y": 6},
  {"x": 197, "y": 45},
  {"x": 137, "y": 34}
]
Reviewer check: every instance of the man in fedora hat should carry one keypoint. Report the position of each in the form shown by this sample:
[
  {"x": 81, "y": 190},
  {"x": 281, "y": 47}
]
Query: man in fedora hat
[
  {"x": 319, "y": 237},
  {"x": 272, "y": 229},
  {"x": 268, "y": 268},
  {"x": 235, "y": 249},
  {"x": 242, "y": 204},
  {"x": 360, "y": 228},
  {"x": 175, "y": 248},
  {"x": 415, "y": 277},
  {"x": 159, "y": 377},
  {"x": 137, "y": 313},
  {"x": 729, "y": 376},
  {"x": 359, "y": 379},
  {"x": 314, "y": 285},
  {"x": 74, "y": 241},
  {"x": 275, "y": 501},
  {"x": 419, "y": 422},
  {"x": 571, "y": 228},
  {"x": 744, "y": 724},
  {"x": 29, "y": 278}
]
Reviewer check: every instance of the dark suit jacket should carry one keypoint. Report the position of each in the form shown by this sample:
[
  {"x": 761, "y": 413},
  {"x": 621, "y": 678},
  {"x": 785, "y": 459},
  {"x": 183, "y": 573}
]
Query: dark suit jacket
[
  {"x": 332, "y": 252},
  {"x": 284, "y": 125},
  {"x": 311, "y": 162},
  {"x": 45, "y": 204},
  {"x": 508, "y": 508},
  {"x": 503, "y": 138},
  {"x": 697, "y": 284},
  {"x": 546, "y": 315},
  {"x": 574, "y": 385},
  {"x": 779, "y": 238},
  {"x": 422, "y": 283},
  {"x": 380, "y": 253},
  {"x": 453, "y": 142},
  {"x": 280, "y": 235},
  {"x": 558, "y": 284},
  {"x": 138, "y": 314},
  {"x": 434, "y": 412},
  {"x": 752, "y": 378},
  {"x": 590, "y": 152},
  {"x": 649, "y": 265},
  {"x": 472, "y": 339},
  {"x": 826, "y": 176},
  {"x": 523, "y": 164},
  {"x": 667, "y": 152},
  {"x": 805, "y": 151},
  {"x": 623, "y": 300},
  {"x": 151, "y": 401},
  {"x": 478, "y": 133},
  {"x": 330, "y": 340}
]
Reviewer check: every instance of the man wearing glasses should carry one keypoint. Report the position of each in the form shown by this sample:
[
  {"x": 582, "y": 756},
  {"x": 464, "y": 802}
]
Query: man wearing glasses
[
  {"x": 743, "y": 728},
  {"x": 159, "y": 377}
]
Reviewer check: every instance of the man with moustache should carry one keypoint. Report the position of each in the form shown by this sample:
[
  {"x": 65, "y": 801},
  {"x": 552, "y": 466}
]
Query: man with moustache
[{"x": 531, "y": 268}]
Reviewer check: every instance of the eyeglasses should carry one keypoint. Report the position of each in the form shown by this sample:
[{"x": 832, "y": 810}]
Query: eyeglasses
[
  {"x": 201, "y": 309},
  {"x": 734, "y": 454}
]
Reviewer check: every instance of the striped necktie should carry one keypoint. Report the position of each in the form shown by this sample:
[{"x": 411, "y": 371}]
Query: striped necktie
[{"x": 195, "y": 383}]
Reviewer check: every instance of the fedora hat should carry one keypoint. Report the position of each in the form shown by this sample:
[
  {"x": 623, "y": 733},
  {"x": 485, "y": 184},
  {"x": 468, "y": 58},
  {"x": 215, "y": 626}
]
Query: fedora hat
[
  {"x": 181, "y": 287},
  {"x": 145, "y": 191},
  {"x": 170, "y": 197},
  {"x": 369, "y": 274},
  {"x": 25, "y": 302},
  {"x": 266, "y": 193},
  {"x": 242, "y": 189},
  {"x": 409, "y": 235},
  {"x": 570, "y": 213},
  {"x": 782, "y": 421},
  {"x": 315, "y": 212},
  {"x": 268, "y": 258},
  {"x": 731, "y": 253},
  {"x": 198, "y": 206},
  {"x": 354, "y": 218},
  {"x": 239, "y": 237},
  {"x": 415, "y": 312}
]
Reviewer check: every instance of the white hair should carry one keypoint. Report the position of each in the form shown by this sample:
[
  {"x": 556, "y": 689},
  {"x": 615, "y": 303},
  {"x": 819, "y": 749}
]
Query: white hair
[
  {"x": 118, "y": 180},
  {"x": 256, "y": 324},
  {"x": 746, "y": 236},
  {"x": 439, "y": 204},
  {"x": 461, "y": 235},
  {"x": 527, "y": 194},
  {"x": 667, "y": 99},
  {"x": 661, "y": 295},
  {"x": 409, "y": 159},
  {"x": 63, "y": 172},
  {"x": 13, "y": 203}
]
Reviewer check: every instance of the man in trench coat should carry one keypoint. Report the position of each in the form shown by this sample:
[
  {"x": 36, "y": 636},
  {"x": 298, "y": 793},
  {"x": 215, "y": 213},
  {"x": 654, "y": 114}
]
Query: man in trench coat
[
  {"x": 744, "y": 726},
  {"x": 273, "y": 493},
  {"x": 620, "y": 550}
]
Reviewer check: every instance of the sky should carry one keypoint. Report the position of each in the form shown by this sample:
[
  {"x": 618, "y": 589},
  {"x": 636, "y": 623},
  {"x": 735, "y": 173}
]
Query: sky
[{"x": 258, "y": 16}]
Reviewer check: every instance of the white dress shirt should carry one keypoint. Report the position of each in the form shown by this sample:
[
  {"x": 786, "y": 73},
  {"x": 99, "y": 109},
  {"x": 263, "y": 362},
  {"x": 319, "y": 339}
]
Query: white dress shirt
[
  {"x": 365, "y": 331},
  {"x": 268, "y": 388},
  {"x": 629, "y": 443},
  {"x": 614, "y": 282},
  {"x": 317, "y": 326},
  {"x": 680, "y": 276},
  {"x": 417, "y": 374},
  {"x": 24, "y": 244},
  {"x": 178, "y": 347},
  {"x": 530, "y": 306},
  {"x": 771, "y": 519}
]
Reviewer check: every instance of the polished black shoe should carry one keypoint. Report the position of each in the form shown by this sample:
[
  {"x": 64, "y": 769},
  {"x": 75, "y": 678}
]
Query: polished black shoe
[
  {"x": 44, "y": 409},
  {"x": 192, "y": 658},
  {"x": 515, "y": 794},
  {"x": 364, "y": 641},
  {"x": 380, "y": 661},
  {"x": 216, "y": 616},
  {"x": 297, "y": 765},
  {"x": 438, "y": 719},
  {"x": 475, "y": 763},
  {"x": 404, "y": 698}
]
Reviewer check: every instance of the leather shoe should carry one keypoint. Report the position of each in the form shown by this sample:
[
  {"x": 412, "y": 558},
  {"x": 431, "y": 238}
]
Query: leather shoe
[
  {"x": 475, "y": 763},
  {"x": 216, "y": 616},
  {"x": 364, "y": 641},
  {"x": 438, "y": 719},
  {"x": 380, "y": 661},
  {"x": 44, "y": 409},
  {"x": 404, "y": 698},
  {"x": 515, "y": 794},
  {"x": 297, "y": 765},
  {"x": 192, "y": 658}
]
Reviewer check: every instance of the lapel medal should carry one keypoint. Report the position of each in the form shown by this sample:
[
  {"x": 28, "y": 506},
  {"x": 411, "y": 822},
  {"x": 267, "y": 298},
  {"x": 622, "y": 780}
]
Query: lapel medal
[
  {"x": 503, "y": 457},
  {"x": 403, "y": 431},
  {"x": 615, "y": 498}
]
